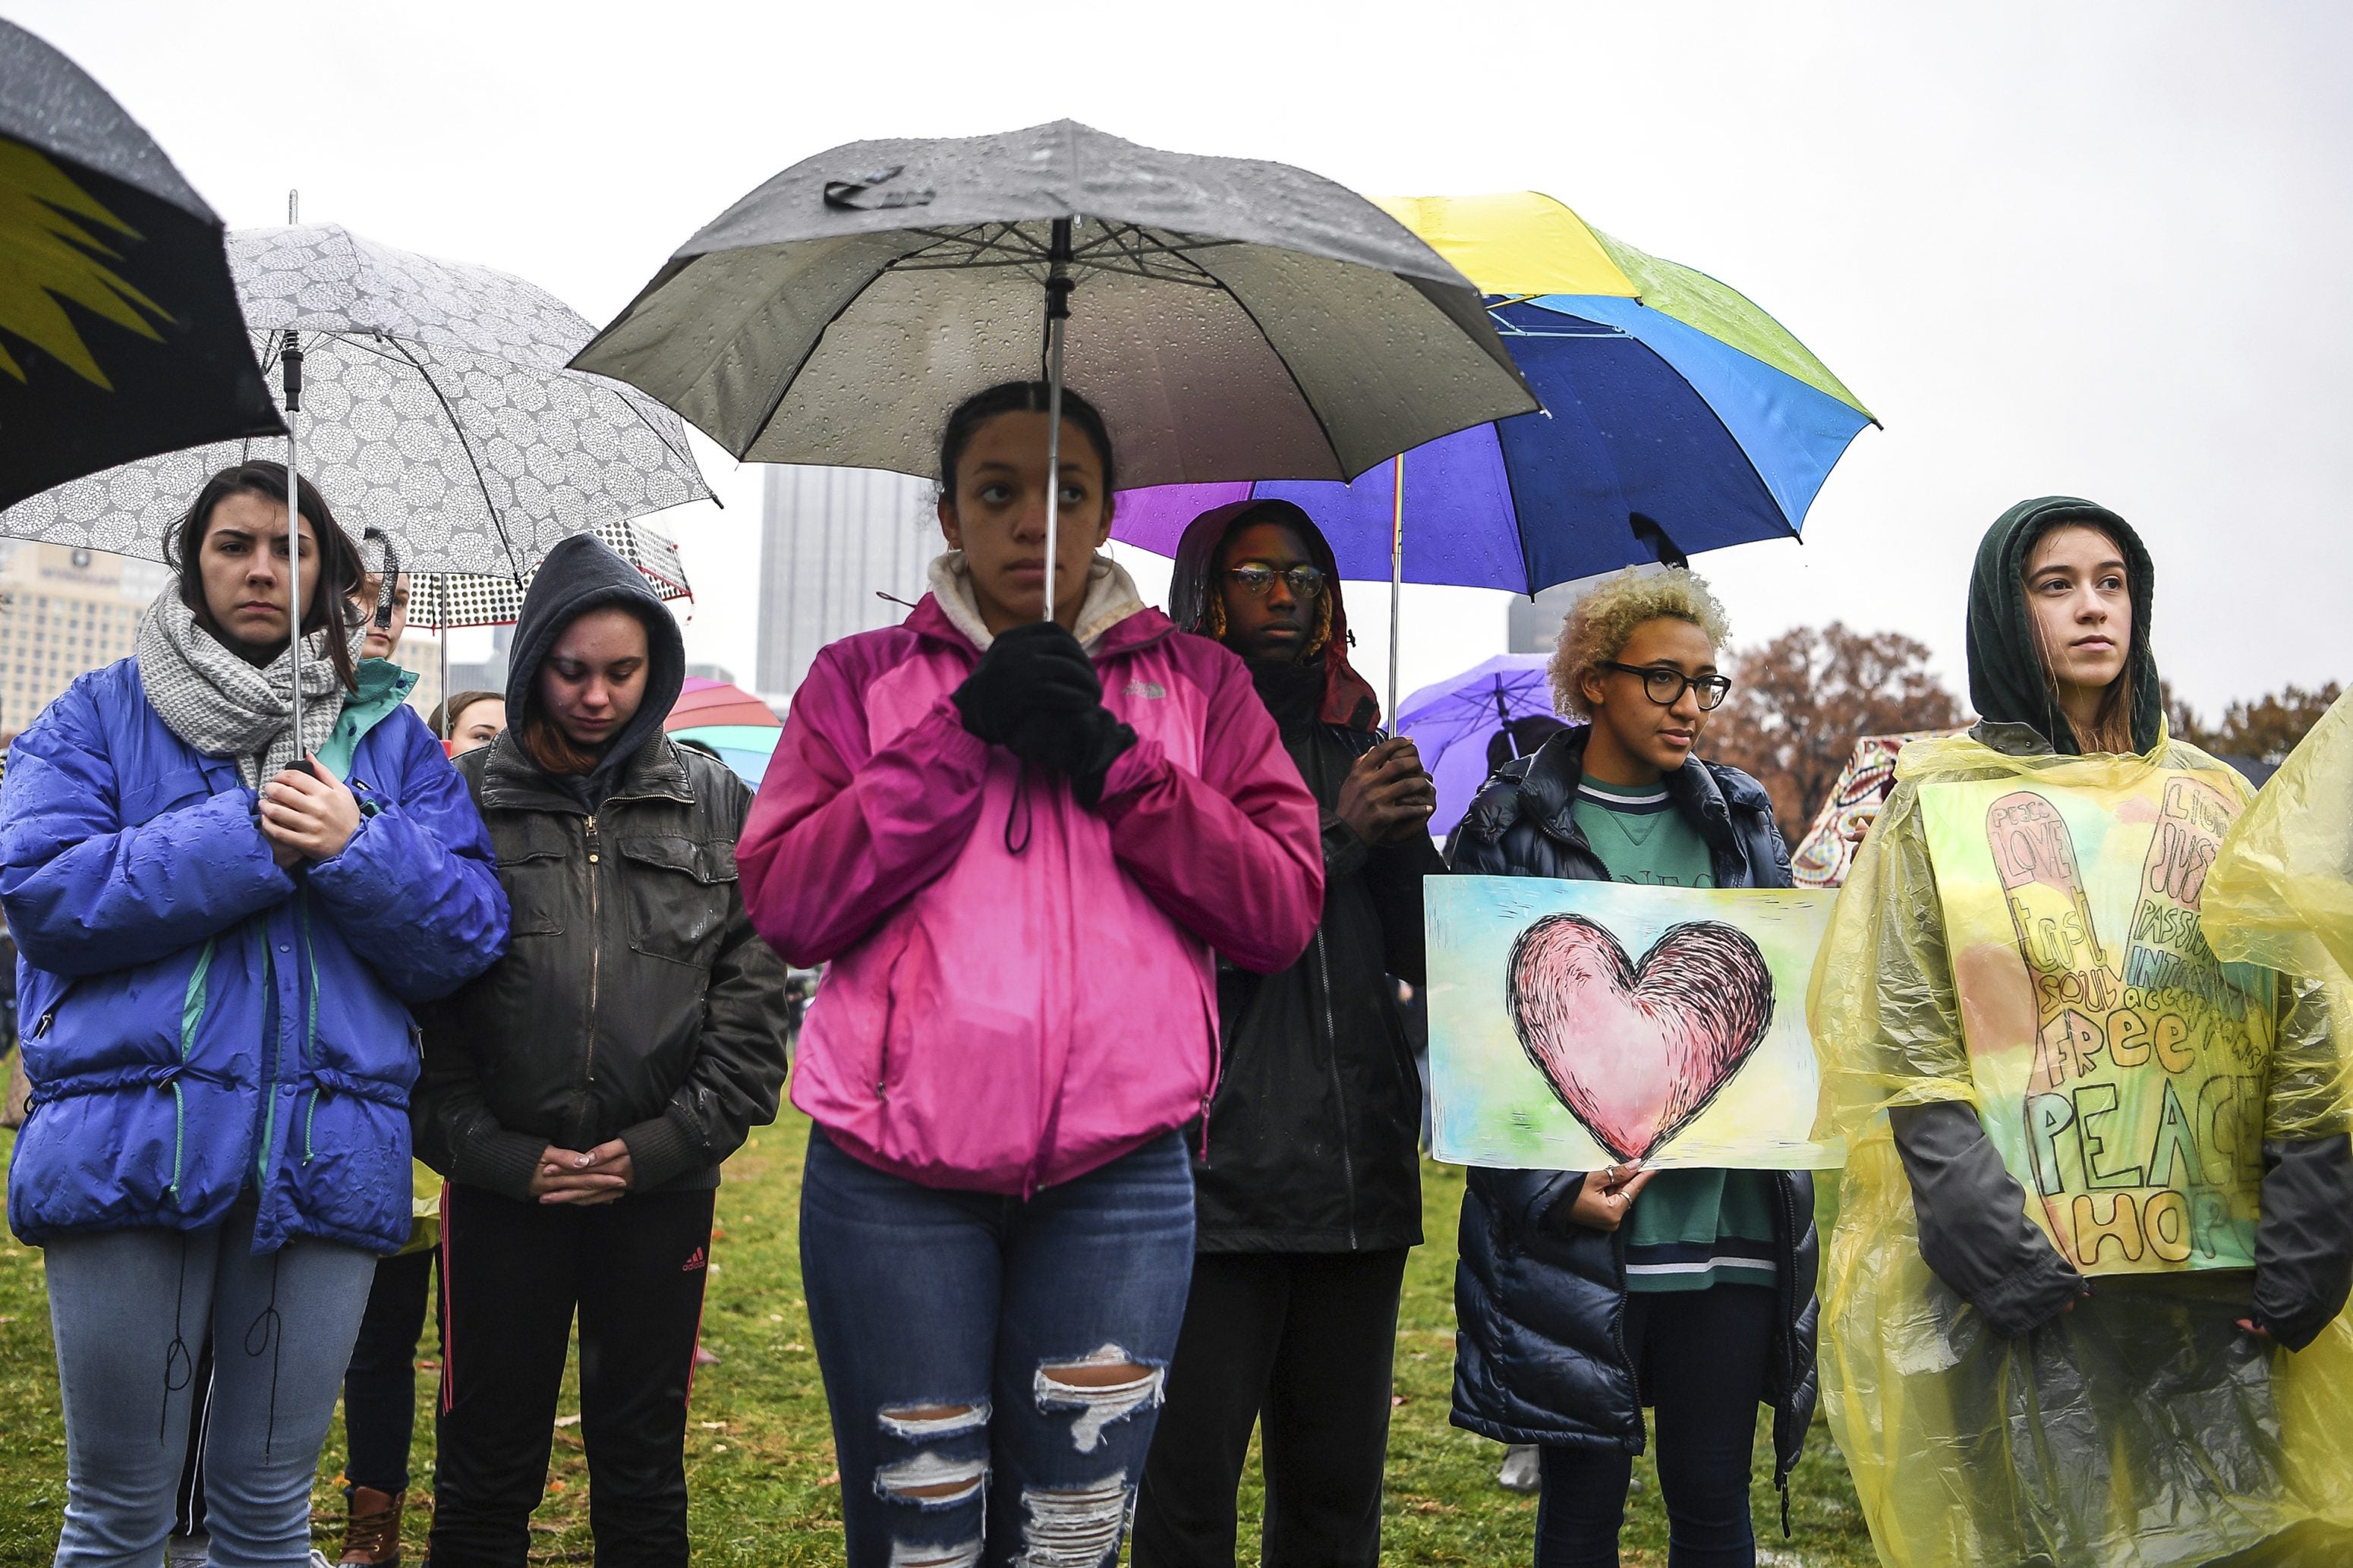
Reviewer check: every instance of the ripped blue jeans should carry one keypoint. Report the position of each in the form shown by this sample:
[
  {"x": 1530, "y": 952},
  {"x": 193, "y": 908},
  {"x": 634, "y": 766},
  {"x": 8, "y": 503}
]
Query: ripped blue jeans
[{"x": 995, "y": 1367}]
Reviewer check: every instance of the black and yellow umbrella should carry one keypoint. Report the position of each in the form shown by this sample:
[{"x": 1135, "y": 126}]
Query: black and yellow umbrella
[{"x": 120, "y": 332}]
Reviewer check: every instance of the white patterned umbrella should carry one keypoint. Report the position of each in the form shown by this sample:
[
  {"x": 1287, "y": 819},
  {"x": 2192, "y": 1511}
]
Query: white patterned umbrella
[
  {"x": 435, "y": 410},
  {"x": 441, "y": 600}
]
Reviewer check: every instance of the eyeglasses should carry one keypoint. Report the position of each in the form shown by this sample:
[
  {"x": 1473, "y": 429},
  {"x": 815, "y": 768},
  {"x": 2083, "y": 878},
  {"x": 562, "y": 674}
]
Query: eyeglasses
[
  {"x": 1666, "y": 687},
  {"x": 1306, "y": 582}
]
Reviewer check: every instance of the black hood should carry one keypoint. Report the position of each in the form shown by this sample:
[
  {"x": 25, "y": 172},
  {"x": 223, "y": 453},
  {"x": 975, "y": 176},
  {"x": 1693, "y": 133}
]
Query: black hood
[
  {"x": 2006, "y": 683},
  {"x": 583, "y": 573},
  {"x": 1348, "y": 697}
]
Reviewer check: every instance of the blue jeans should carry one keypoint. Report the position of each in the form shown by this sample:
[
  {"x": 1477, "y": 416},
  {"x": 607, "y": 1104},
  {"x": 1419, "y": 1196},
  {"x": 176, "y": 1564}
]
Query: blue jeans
[
  {"x": 129, "y": 1309},
  {"x": 995, "y": 1367}
]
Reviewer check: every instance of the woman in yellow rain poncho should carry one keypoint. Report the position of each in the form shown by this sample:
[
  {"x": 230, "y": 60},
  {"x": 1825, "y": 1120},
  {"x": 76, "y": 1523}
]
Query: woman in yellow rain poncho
[{"x": 2084, "y": 1303}]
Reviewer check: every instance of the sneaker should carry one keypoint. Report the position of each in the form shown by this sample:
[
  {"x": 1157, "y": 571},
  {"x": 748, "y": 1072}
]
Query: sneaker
[{"x": 1520, "y": 1472}]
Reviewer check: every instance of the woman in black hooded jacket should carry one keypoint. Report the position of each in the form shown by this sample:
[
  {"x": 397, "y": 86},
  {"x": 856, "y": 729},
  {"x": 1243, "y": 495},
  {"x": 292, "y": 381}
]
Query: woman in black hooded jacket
[
  {"x": 582, "y": 1093},
  {"x": 1307, "y": 1181}
]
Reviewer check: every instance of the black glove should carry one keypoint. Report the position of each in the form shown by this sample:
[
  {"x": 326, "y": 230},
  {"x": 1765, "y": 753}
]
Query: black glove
[
  {"x": 1083, "y": 747},
  {"x": 1036, "y": 670}
]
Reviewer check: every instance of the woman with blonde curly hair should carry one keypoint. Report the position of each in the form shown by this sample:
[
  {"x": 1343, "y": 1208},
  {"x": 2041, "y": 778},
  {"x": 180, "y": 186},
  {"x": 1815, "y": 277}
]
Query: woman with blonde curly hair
[{"x": 1584, "y": 1296}]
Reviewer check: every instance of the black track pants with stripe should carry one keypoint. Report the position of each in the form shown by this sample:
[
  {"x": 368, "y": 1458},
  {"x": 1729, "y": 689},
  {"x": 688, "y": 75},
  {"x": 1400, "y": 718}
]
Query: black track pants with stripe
[{"x": 512, "y": 1273}]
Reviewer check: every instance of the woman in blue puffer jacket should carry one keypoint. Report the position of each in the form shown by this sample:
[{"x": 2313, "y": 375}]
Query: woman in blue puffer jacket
[{"x": 219, "y": 955}]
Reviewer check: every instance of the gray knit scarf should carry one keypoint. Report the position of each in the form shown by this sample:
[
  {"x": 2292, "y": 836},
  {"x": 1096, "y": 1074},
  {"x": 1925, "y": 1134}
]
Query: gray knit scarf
[{"x": 225, "y": 707}]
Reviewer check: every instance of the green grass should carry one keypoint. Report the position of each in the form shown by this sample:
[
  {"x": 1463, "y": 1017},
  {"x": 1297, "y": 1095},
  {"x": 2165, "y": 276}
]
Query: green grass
[{"x": 760, "y": 1465}]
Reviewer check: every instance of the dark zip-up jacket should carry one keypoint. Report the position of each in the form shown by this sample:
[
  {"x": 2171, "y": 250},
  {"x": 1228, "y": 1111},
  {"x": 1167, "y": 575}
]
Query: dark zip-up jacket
[
  {"x": 1540, "y": 1300},
  {"x": 1315, "y": 1131},
  {"x": 634, "y": 1002}
]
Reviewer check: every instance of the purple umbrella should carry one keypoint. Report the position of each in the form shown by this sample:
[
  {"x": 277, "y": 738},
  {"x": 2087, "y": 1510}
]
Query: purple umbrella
[{"x": 1456, "y": 723}]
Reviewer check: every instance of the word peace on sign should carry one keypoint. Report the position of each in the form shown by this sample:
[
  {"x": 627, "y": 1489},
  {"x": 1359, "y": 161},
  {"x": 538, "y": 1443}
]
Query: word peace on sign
[{"x": 2144, "y": 1107}]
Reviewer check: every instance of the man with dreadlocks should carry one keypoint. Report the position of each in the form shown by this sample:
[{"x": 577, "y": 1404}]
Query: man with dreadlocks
[{"x": 1307, "y": 1187}]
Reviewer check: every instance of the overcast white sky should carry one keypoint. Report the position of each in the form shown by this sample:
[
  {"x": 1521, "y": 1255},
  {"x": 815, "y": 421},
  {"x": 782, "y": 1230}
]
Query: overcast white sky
[{"x": 2097, "y": 248}]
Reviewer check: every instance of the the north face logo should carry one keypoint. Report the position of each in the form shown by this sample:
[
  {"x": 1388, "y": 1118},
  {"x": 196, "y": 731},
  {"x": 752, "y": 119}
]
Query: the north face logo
[
  {"x": 694, "y": 1260},
  {"x": 1151, "y": 688}
]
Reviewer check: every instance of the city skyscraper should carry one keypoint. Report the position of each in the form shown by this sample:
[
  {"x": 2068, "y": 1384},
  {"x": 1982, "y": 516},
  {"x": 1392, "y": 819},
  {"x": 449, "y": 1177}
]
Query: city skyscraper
[{"x": 832, "y": 541}]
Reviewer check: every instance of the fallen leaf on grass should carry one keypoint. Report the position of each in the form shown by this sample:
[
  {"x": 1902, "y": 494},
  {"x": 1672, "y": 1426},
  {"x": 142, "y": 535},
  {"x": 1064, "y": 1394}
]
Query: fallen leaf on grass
[
  {"x": 832, "y": 1480},
  {"x": 721, "y": 1425},
  {"x": 567, "y": 1421},
  {"x": 1395, "y": 1400},
  {"x": 1428, "y": 1505}
]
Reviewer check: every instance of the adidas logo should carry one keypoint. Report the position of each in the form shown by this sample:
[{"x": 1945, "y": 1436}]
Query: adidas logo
[
  {"x": 694, "y": 1260},
  {"x": 1151, "y": 688}
]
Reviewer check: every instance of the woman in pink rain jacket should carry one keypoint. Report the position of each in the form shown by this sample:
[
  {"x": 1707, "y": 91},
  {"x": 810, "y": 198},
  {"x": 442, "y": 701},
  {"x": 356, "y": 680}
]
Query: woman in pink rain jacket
[{"x": 1017, "y": 843}]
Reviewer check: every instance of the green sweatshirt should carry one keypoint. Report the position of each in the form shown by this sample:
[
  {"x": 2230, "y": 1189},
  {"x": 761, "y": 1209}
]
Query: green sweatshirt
[{"x": 1689, "y": 1229}]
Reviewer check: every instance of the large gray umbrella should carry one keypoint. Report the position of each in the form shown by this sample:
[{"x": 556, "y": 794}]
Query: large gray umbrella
[{"x": 1232, "y": 318}]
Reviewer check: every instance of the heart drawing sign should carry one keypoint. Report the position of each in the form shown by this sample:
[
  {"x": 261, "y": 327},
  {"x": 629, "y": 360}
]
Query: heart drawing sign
[
  {"x": 1580, "y": 1023},
  {"x": 1636, "y": 1050}
]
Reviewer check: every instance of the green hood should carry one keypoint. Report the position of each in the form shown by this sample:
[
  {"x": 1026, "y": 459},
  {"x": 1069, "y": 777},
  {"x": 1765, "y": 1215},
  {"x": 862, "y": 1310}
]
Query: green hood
[
  {"x": 2006, "y": 679},
  {"x": 381, "y": 687}
]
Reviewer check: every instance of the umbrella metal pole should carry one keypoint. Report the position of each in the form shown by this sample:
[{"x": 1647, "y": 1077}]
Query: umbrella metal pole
[
  {"x": 1057, "y": 311},
  {"x": 291, "y": 363},
  {"x": 1397, "y": 572}
]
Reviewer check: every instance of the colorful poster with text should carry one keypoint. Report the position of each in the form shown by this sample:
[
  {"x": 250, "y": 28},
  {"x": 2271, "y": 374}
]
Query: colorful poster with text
[{"x": 2120, "y": 1065}]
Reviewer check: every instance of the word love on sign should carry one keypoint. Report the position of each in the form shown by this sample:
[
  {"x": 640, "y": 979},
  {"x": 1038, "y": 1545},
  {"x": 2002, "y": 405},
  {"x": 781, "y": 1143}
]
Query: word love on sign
[
  {"x": 2120, "y": 1065},
  {"x": 1576, "y": 1024}
]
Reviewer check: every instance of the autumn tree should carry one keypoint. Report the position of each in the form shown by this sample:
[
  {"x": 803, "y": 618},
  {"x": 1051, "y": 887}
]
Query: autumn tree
[
  {"x": 1799, "y": 703},
  {"x": 2267, "y": 728}
]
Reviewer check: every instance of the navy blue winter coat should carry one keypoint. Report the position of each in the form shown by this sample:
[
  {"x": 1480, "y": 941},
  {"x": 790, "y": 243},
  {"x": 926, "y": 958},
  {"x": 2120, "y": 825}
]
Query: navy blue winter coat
[
  {"x": 1538, "y": 1300},
  {"x": 197, "y": 1022}
]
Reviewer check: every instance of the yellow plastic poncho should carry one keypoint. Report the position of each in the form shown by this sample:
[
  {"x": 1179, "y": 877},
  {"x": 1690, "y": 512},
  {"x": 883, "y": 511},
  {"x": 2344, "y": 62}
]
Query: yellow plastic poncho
[
  {"x": 2281, "y": 892},
  {"x": 2142, "y": 1428}
]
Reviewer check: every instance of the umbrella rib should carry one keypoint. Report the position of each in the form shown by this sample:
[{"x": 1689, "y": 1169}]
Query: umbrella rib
[
  {"x": 647, "y": 420},
  {"x": 1325, "y": 430},
  {"x": 498, "y": 523}
]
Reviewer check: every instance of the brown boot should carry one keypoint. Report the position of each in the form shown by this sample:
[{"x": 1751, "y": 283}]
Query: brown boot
[{"x": 372, "y": 1528}]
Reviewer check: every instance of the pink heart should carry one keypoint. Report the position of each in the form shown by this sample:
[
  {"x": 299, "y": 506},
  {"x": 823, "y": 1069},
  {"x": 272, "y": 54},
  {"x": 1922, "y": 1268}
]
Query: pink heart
[{"x": 1636, "y": 1051}]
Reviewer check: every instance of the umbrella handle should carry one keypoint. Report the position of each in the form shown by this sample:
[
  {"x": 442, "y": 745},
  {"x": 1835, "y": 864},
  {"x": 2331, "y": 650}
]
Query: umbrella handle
[{"x": 1057, "y": 311}]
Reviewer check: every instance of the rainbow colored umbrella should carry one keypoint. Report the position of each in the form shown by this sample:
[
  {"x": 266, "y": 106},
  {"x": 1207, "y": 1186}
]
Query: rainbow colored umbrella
[
  {"x": 1678, "y": 417},
  {"x": 729, "y": 719}
]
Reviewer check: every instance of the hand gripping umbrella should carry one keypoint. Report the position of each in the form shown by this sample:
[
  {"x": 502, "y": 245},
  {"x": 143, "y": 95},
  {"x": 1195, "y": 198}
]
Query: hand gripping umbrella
[
  {"x": 435, "y": 405},
  {"x": 119, "y": 331},
  {"x": 1234, "y": 319}
]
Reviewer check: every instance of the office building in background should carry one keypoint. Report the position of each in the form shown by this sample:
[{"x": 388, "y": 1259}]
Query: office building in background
[
  {"x": 832, "y": 541},
  {"x": 1535, "y": 623},
  {"x": 64, "y": 611}
]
